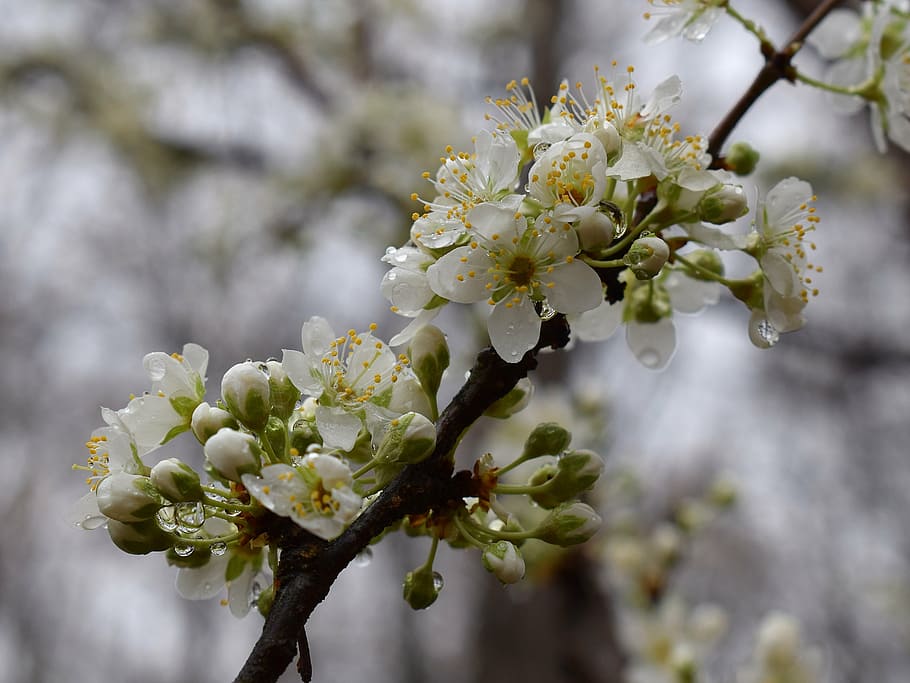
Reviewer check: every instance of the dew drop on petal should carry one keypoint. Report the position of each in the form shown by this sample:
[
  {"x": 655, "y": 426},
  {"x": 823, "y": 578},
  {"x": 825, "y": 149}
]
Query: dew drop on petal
[
  {"x": 92, "y": 522},
  {"x": 650, "y": 358},
  {"x": 438, "y": 582},
  {"x": 390, "y": 250},
  {"x": 363, "y": 558},
  {"x": 547, "y": 311},
  {"x": 183, "y": 550},
  {"x": 218, "y": 548},
  {"x": 768, "y": 332},
  {"x": 166, "y": 519}
]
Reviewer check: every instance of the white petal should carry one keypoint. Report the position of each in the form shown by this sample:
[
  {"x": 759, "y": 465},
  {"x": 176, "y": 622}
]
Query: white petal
[
  {"x": 300, "y": 371},
  {"x": 240, "y": 591},
  {"x": 149, "y": 419},
  {"x": 782, "y": 205},
  {"x": 836, "y": 34},
  {"x": 337, "y": 428},
  {"x": 316, "y": 337},
  {"x": 690, "y": 295},
  {"x": 780, "y": 274},
  {"x": 599, "y": 323},
  {"x": 197, "y": 357},
  {"x": 513, "y": 328},
  {"x": 715, "y": 237},
  {"x": 85, "y": 513},
  {"x": 652, "y": 343},
  {"x": 667, "y": 93},
  {"x": 495, "y": 222},
  {"x": 576, "y": 287},
  {"x": 202, "y": 583},
  {"x": 451, "y": 277},
  {"x": 423, "y": 318}
]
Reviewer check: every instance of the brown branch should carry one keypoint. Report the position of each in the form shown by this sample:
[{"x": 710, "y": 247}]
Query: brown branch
[
  {"x": 777, "y": 66},
  {"x": 309, "y": 565}
]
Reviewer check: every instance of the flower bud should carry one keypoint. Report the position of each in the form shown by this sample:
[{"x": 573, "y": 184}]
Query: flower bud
[
  {"x": 128, "y": 497},
  {"x": 421, "y": 587},
  {"x": 176, "y": 481},
  {"x": 232, "y": 453},
  {"x": 429, "y": 354},
  {"x": 547, "y": 438},
  {"x": 282, "y": 392},
  {"x": 648, "y": 304},
  {"x": 779, "y": 640},
  {"x": 569, "y": 524},
  {"x": 572, "y": 474},
  {"x": 139, "y": 538},
  {"x": 276, "y": 434},
  {"x": 742, "y": 158},
  {"x": 503, "y": 559},
  {"x": 723, "y": 205},
  {"x": 245, "y": 390},
  {"x": 207, "y": 420},
  {"x": 595, "y": 231},
  {"x": 513, "y": 402},
  {"x": 609, "y": 137},
  {"x": 705, "y": 259},
  {"x": 408, "y": 439},
  {"x": 647, "y": 256}
]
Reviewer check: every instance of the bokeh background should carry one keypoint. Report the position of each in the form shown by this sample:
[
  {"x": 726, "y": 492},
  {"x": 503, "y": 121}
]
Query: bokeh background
[{"x": 218, "y": 171}]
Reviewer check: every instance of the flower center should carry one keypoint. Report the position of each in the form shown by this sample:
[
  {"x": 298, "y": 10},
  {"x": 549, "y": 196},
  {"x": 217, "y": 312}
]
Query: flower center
[
  {"x": 521, "y": 270},
  {"x": 323, "y": 502}
]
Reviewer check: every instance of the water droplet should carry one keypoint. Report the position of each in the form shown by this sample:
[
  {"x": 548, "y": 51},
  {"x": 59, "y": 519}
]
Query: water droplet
[
  {"x": 540, "y": 148},
  {"x": 92, "y": 522},
  {"x": 189, "y": 516},
  {"x": 390, "y": 250},
  {"x": 255, "y": 592},
  {"x": 218, "y": 548},
  {"x": 363, "y": 558},
  {"x": 768, "y": 332},
  {"x": 401, "y": 258},
  {"x": 438, "y": 582},
  {"x": 547, "y": 311},
  {"x": 183, "y": 550},
  {"x": 650, "y": 358},
  {"x": 391, "y": 276},
  {"x": 165, "y": 518}
]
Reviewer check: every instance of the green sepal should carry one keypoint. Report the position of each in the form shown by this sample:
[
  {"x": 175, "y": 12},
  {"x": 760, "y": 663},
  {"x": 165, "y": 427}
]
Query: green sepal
[{"x": 184, "y": 406}]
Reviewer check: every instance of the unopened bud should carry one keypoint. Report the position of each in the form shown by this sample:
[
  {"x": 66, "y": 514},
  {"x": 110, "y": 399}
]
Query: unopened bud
[
  {"x": 245, "y": 390},
  {"x": 547, "y": 438},
  {"x": 408, "y": 439},
  {"x": 176, "y": 481},
  {"x": 569, "y": 524},
  {"x": 572, "y": 474},
  {"x": 647, "y": 256},
  {"x": 609, "y": 137},
  {"x": 429, "y": 354},
  {"x": 207, "y": 420},
  {"x": 742, "y": 158},
  {"x": 421, "y": 587},
  {"x": 504, "y": 561},
  {"x": 283, "y": 395},
  {"x": 128, "y": 497},
  {"x": 513, "y": 402},
  {"x": 723, "y": 205},
  {"x": 595, "y": 231},
  {"x": 232, "y": 453},
  {"x": 138, "y": 538}
]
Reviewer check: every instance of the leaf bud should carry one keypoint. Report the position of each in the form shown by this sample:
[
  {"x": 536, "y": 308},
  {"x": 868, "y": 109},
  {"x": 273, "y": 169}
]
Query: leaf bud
[
  {"x": 245, "y": 390},
  {"x": 176, "y": 481},
  {"x": 573, "y": 473}
]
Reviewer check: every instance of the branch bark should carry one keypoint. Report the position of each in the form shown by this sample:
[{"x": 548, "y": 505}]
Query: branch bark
[{"x": 309, "y": 566}]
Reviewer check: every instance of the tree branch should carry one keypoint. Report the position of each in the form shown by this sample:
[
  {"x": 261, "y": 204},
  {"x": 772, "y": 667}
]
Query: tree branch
[
  {"x": 309, "y": 566},
  {"x": 777, "y": 67}
]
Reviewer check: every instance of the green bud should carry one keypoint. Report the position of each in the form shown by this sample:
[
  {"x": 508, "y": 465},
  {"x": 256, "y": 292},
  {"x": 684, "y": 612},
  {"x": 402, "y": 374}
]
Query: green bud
[
  {"x": 207, "y": 420},
  {"x": 429, "y": 354},
  {"x": 245, "y": 390},
  {"x": 750, "y": 291},
  {"x": 513, "y": 402},
  {"x": 646, "y": 257},
  {"x": 504, "y": 560},
  {"x": 569, "y": 524},
  {"x": 233, "y": 453},
  {"x": 723, "y": 493},
  {"x": 725, "y": 204},
  {"x": 708, "y": 259},
  {"x": 742, "y": 158},
  {"x": 176, "y": 481},
  {"x": 283, "y": 395},
  {"x": 128, "y": 497},
  {"x": 265, "y": 600},
  {"x": 573, "y": 473},
  {"x": 138, "y": 538},
  {"x": 547, "y": 438},
  {"x": 421, "y": 587},
  {"x": 409, "y": 439},
  {"x": 276, "y": 433}
]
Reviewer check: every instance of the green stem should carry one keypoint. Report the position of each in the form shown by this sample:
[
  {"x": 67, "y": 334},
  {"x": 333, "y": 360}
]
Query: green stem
[
  {"x": 500, "y": 534},
  {"x": 224, "y": 505},
  {"x": 594, "y": 263},
  {"x": 861, "y": 90},
  {"x": 633, "y": 234},
  {"x": 522, "y": 489},
  {"x": 701, "y": 270},
  {"x": 215, "y": 491},
  {"x": 428, "y": 565},
  {"x": 749, "y": 25},
  {"x": 467, "y": 533},
  {"x": 366, "y": 468},
  {"x": 207, "y": 542}
]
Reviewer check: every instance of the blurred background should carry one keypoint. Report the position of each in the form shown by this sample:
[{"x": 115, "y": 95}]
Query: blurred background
[{"x": 218, "y": 171}]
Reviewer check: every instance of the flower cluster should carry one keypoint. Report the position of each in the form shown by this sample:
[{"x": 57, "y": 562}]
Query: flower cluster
[
  {"x": 616, "y": 224},
  {"x": 284, "y": 437}
]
